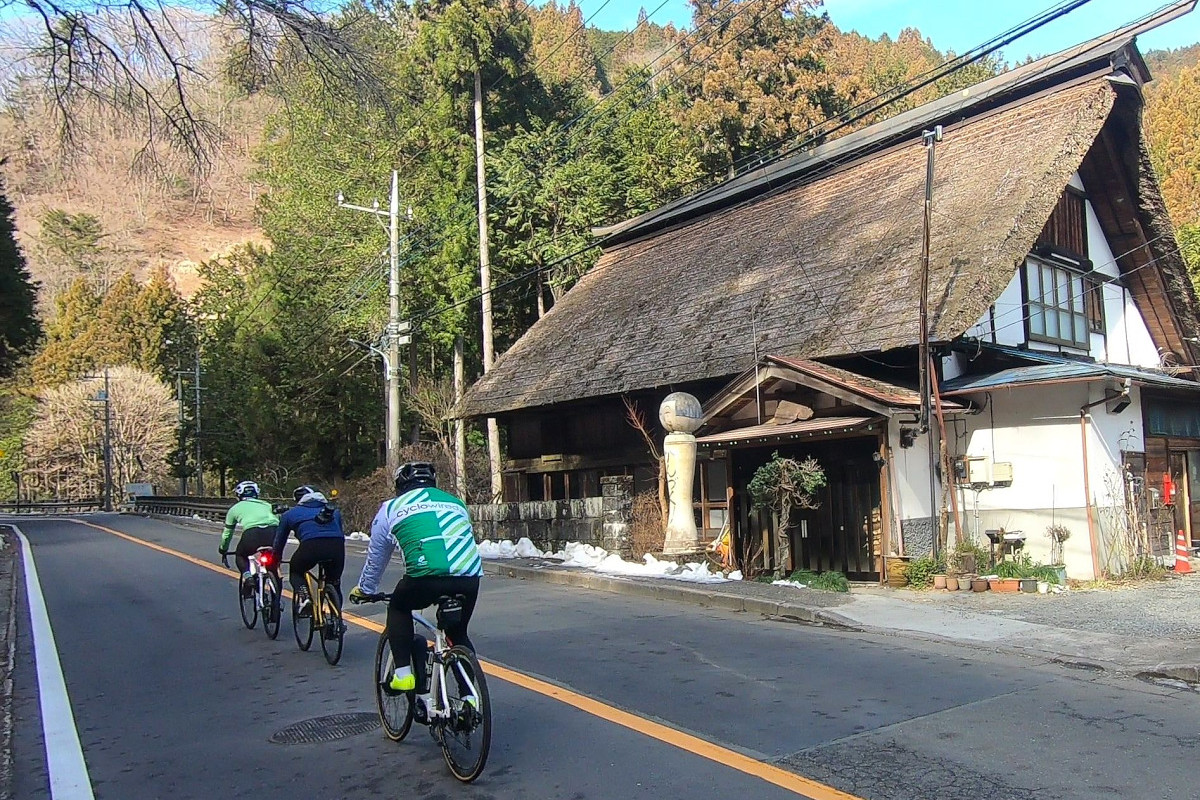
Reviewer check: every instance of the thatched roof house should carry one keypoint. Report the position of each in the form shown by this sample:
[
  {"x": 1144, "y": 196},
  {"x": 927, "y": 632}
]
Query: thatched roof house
[{"x": 819, "y": 256}]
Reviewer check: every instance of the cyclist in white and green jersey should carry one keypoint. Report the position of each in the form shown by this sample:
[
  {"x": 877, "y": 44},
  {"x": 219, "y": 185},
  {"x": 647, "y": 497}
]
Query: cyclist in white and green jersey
[{"x": 433, "y": 532}]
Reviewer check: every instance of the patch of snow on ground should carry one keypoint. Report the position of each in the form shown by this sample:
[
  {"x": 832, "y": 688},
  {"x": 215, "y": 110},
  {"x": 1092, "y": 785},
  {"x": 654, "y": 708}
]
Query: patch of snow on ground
[
  {"x": 588, "y": 556},
  {"x": 358, "y": 536},
  {"x": 797, "y": 584}
]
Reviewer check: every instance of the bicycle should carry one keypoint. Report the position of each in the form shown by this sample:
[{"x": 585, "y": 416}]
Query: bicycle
[
  {"x": 453, "y": 720},
  {"x": 324, "y": 614},
  {"x": 265, "y": 597}
]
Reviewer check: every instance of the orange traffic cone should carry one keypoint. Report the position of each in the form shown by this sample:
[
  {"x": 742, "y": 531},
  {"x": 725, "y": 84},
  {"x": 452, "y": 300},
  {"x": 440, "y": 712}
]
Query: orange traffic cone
[{"x": 1182, "y": 565}]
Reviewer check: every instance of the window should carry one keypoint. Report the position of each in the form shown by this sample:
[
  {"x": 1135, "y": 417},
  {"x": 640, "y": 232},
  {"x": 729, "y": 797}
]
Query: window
[
  {"x": 710, "y": 504},
  {"x": 1066, "y": 230},
  {"x": 1063, "y": 306}
]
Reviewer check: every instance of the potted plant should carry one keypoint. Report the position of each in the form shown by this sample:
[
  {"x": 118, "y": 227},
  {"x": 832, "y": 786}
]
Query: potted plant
[
  {"x": 1058, "y": 535},
  {"x": 781, "y": 485}
]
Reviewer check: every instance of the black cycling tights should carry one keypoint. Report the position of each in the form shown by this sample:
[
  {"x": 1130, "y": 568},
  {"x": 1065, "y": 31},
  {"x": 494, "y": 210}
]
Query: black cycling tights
[
  {"x": 331, "y": 550},
  {"x": 413, "y": 594}
]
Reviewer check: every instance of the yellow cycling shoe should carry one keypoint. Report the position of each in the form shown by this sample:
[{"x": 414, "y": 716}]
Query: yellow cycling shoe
[{"x": 403, "y": 683}]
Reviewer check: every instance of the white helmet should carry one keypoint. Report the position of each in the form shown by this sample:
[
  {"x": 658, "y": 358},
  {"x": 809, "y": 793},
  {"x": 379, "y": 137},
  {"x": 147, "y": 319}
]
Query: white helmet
[{"x": 245, "y": 489}]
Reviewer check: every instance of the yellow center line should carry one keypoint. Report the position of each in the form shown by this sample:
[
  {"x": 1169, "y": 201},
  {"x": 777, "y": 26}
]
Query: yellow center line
[{"x": 663, "y": 733}]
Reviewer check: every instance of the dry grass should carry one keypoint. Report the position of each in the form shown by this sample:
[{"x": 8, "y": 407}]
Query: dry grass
[{"x": 647, "y": 535}]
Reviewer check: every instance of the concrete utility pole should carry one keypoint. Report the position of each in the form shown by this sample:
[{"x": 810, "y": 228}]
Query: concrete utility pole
[
  {"x": 199, "y": 463},
  {"x": 182, "y": 454},
  {"x": 460, "y": 433},
  {"x": 485, "y": 285},
  {"x": 107, "y": 444},
  {"x": 928, "y": 375},
  {"x": 398, "y": 332}
]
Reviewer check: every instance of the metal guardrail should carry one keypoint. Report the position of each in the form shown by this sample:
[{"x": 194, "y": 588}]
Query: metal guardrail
[
  {"x": 211, "y": 508},
  {"x": 52, "y": 507}
]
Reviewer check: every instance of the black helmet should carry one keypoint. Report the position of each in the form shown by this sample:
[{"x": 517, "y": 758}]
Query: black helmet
[
  {"x": 413, "y": 475},
  {"x": 302, "y": 490}
]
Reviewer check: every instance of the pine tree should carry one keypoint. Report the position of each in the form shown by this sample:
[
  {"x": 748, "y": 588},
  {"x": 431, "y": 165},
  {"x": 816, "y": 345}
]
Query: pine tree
[{"x": 19, "y": 325}]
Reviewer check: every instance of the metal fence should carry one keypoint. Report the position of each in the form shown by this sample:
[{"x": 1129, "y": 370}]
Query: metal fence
[
  {"x": 212, "y": 508},
  {"x": 52, "y": 507}
]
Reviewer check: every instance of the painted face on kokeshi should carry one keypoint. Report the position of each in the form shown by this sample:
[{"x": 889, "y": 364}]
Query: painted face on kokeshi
[{"x": 680, "y": 413}]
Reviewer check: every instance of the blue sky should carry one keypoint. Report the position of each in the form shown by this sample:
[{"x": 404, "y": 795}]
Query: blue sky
[{"x": 951, "y": 24}]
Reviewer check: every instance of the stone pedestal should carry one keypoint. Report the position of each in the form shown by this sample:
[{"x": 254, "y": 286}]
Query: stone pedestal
[{"x": 680, "y": 415}]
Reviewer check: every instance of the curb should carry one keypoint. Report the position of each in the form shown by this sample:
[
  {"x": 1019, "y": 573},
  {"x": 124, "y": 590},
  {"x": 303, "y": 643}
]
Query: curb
[{"x": 705, "y": 598}]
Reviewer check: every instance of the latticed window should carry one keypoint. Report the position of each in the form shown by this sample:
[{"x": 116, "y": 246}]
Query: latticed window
[{"x": 1063, "y": 306}]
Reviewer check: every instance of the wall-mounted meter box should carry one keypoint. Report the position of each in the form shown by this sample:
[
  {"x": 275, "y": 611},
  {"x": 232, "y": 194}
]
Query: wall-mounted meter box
[
  {"x": 972, "y": 470},
  {"x": 1002, "y": 473}
]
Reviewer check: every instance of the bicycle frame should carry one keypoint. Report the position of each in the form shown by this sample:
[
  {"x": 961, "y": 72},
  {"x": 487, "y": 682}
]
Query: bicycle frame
[
  {"x": 260, "y": 574},
  {"x": 315, "y": 585},
  {"x": 437, "y": 680}
]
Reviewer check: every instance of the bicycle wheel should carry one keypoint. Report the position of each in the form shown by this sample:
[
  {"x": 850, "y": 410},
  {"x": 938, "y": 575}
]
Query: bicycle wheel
[
  {"x": 271, "y": 607},
  {"x": 249, "y": 604},
  {"x": 332, "y": 629},
  {"x": 395, "y": 710},
  {"x": 303, "y": 626},
  {"x": 467, "y": 735}
]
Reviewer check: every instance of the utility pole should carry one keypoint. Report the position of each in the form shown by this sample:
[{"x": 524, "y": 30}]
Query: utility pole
[
  {"x": 199, "y": 463},
  {"x": 485, "y": 284},
  {"x": 397, "y": 332},
  {"x": 928, "y": 375},
  {"x": 107, "y": 444},
  {"x": 460, "y": 433},
  {"x": 182, "y": 438}
]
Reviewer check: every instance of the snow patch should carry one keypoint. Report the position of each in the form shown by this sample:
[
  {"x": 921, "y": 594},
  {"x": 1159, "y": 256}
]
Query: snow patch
[
  {"x": 796, "y": 584},
  {"x": 358, "y": 536},
  {"x": 597, "y": 559}
]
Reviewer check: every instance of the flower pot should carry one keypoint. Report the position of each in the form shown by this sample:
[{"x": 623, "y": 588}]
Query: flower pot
[
  {"x": 1043, "y": 587},
  {"x": 1028, "y": 585},
  {"x": 939, "y": 581},
  {"x": 1062, "y": 573},
  {"x": 951, "y": 583},
  {"x": 1005, "y": 584},
  {"x": 979, "y": 584}
]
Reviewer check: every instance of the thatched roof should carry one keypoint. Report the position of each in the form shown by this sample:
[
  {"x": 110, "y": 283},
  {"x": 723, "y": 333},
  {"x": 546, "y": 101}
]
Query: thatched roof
[{"x": 828, "y": 268}]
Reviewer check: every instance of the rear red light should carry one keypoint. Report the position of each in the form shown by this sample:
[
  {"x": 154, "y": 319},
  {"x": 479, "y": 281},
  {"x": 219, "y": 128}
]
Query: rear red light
[{"x": 266, "y": 559}]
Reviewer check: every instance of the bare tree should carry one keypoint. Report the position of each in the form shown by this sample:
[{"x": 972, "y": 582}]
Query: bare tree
[
  {"x": 65, "y": 445},
  {"x": 637, "y": 419},
  {"x": 140, "y": 57}
]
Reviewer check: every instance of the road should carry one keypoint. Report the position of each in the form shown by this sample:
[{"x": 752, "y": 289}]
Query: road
[{"x": 610, "y": 697}]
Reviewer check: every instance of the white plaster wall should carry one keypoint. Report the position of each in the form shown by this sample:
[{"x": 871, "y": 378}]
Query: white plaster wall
[
  {"x": 1127, "y": 339},
  {"x": 1037, "y": 430},
  {"x": 910, "y": 474}
]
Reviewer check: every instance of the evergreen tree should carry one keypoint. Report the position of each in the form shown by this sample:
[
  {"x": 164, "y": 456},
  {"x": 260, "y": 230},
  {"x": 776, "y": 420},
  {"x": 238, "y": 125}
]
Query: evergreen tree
[{"x": 19, "y": 325}]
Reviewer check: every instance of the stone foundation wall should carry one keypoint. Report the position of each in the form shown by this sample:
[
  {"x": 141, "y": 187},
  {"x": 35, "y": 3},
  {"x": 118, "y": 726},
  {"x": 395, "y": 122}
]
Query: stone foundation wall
[{"x": 604, "y": 521}]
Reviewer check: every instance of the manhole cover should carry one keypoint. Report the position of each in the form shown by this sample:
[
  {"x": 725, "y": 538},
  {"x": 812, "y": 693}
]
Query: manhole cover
[{"x": 326, "y": 729}]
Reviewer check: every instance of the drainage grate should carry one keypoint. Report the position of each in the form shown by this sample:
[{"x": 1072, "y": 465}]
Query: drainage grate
[{"x": 326, "y": 729}]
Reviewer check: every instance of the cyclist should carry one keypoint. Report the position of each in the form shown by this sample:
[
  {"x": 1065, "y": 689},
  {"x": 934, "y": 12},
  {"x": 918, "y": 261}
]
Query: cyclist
[
  {"x": 318, "y": 526},
  {"x": 433, "y": 530},
  {"x": 258, "y": 521}
]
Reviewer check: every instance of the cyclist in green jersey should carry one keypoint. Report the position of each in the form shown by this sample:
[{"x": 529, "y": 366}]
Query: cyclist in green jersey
[
  {"x": 258, "y": 521},
  {"x": 433, "y": 532}
]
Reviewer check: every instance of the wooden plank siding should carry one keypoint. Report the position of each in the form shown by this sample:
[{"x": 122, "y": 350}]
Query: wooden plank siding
[{"x": 1066, "y": 230}]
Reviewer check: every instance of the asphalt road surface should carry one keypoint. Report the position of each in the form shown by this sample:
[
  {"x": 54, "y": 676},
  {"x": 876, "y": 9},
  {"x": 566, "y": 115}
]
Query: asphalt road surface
[{"x": 594, "y": 695}]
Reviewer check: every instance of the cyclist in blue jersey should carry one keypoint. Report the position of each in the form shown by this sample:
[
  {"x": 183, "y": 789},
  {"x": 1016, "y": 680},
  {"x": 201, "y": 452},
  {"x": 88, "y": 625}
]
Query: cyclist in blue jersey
[{"x": 318, "y": 527}]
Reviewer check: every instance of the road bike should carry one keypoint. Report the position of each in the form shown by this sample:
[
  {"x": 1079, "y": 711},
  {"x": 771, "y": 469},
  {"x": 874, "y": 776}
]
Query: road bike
[
  {"x": 264, "y": 596},
  {"x": 460, "y": 719},
  {"x": 322, "y": 616}
]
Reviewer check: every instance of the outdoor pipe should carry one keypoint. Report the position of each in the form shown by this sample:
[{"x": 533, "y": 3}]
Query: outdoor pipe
[{"x": 1087, "y": 486}]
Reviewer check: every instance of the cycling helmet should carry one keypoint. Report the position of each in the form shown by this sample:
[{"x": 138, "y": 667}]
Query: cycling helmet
[
  {"x": 413, "y": 475},
  {"x": 300, "y": 491},
  {"x": 245, "y": 489}
]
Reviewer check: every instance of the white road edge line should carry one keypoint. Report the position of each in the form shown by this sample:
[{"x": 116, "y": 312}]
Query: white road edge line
[{"x": 64, "y": 755}]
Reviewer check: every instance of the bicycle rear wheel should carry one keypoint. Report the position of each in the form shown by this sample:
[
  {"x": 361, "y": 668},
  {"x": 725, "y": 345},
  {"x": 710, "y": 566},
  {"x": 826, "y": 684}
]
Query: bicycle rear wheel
[
  {"x": 332, "y": 629},
  {"x": 467, "y": 735},
  {"x": 271, "y": 606},
  {"x": 395, "y": 709},
  {"x": 249, "y": 604},
  {"x": 302, "y": 626}
]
